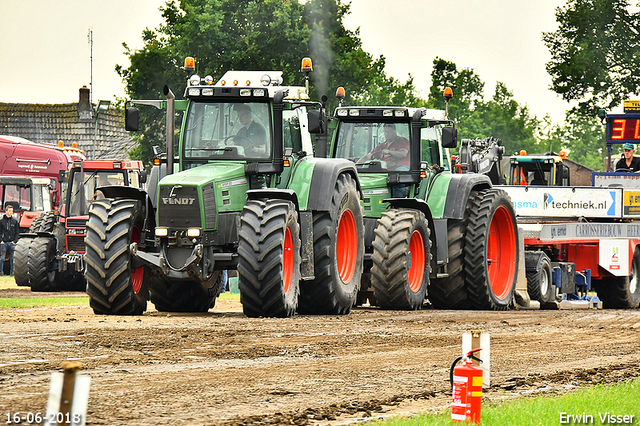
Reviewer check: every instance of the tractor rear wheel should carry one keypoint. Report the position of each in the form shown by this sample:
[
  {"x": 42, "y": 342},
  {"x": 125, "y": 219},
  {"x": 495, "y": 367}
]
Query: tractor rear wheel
[
  {"x": 44, "y": 223},
  {"x": 21, "y": 261},
  {"x": 621, "y": 292},
  {"x": 40, "y": 268},
  {"x": 185, "y": 296},
  {"x": 269, "y": 258},
  {"x": 338, "y": 250},
  {"x": 401, "y": 258},
  {"x": 114, "y": 286},
  {"x": 491, "y": 249},
  {"x": 539, "y": 283},
  {"x": 450, "y": 292}
]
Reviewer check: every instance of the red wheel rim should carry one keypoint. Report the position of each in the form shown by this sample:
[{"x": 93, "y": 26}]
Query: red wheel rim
[
  {"x": 346, "y": 246},
  {"x": 287, "y": 261},
  {"x": 416, "y": 272},
  {"x": 137, "y": 275},
  {"x": 501, "y": 253}
]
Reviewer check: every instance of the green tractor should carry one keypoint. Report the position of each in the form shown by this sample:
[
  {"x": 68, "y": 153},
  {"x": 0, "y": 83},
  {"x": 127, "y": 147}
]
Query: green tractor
[
  {"x": 429, "y": 232},
  {"x": 247, "y": 195}
]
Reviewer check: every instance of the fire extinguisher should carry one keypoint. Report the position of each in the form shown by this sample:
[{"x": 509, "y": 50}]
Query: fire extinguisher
[{"x": 466, "y": 382}]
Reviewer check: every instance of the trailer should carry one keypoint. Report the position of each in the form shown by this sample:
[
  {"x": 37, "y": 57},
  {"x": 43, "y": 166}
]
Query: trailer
[{"x": 577, "y": 239}]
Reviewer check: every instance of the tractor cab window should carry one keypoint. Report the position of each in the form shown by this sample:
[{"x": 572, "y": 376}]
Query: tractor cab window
[
  {"x": 292, "y": 135},
  {"x": 227, "y": 130},
  {"x": 374, "y": 146},
  {"x": 536, "y": 174},
  {"x": 17, "y": 195},
  {"x": 83, "y": 187}
]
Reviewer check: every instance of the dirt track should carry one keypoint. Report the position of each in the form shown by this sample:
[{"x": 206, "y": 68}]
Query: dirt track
[{"x": 223, "y": 368}]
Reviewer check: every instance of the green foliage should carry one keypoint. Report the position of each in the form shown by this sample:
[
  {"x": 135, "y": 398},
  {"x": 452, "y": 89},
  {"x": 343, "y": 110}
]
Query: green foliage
[
  {"x": 255, "y": 35},
  {"x": 500, "y": 117},
  {"x": 595, "y": 53},
  {"x": 582, "y": 136}
]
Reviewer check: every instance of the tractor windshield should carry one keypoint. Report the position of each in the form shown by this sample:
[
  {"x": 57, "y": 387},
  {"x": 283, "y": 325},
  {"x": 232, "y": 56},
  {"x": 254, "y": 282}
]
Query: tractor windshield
[
  {"x": 83, "y": 185},
  {"x": 374, "y": 146},
  {"x": 231, "y": 130}
]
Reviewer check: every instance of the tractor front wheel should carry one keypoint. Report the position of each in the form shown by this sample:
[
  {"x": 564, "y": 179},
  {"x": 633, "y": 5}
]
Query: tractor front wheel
[
  {"x": 114, "y": 285},
  {"x": 269, "y": 258},
  {"x": 401, "y": 258}
]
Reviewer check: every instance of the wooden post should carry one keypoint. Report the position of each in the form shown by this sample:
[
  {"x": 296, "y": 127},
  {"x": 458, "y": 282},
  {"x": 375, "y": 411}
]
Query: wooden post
[{"x": 68, "y": 384}]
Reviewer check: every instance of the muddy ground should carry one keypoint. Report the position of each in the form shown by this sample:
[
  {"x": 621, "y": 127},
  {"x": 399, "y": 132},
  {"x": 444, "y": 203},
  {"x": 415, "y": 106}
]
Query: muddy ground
[{"x": 223, "y": 368}]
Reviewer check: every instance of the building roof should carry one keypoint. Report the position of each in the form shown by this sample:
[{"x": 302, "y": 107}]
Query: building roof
[{"x": 71, "y": 122}]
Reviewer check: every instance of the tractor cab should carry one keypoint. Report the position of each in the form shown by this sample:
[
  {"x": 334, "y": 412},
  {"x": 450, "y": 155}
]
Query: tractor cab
[
  {"x": 394, "y": 146},
  {"x": 538, "y": 170}
]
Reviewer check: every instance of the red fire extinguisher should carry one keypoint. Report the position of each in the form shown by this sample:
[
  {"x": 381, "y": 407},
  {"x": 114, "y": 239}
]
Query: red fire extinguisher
[{"x": 466, "y": 381}]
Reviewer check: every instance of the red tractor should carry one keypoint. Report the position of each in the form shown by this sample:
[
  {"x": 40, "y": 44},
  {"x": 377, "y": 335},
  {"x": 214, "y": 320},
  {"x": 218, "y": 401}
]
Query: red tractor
[{"x": 51, "y": 256}]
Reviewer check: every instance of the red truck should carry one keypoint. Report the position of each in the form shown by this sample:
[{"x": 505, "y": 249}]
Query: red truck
[{"x": 34, "y": 164}]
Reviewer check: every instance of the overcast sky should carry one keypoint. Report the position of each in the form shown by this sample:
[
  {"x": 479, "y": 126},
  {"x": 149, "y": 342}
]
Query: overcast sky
[{"x": 45, "y": 55}]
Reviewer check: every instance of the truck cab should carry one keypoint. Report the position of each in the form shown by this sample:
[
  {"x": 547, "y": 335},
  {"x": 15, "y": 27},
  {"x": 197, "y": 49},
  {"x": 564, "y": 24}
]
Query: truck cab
[{"x": 30, "y": 197}]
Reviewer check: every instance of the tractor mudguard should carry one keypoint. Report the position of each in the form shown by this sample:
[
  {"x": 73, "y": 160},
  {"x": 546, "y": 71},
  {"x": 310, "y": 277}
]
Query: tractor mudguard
[
  {"x": 130, "y": 192},
  {"x": 460, "y": 186},
  {"x": 323, "y": 181}
]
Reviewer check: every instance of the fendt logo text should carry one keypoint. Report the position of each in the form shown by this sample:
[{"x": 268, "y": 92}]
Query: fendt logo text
[{"x": 176, "y": 200}]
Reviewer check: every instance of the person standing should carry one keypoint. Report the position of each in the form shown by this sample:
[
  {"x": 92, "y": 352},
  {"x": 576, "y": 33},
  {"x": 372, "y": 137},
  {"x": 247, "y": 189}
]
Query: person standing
[{"x": 9, "y": 234}]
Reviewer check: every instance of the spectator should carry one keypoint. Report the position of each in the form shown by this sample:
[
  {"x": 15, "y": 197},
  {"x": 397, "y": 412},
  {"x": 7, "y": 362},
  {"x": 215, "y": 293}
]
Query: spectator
[
  {"x": 629, "y": 161},
  {"x": 9, "y": 234}
]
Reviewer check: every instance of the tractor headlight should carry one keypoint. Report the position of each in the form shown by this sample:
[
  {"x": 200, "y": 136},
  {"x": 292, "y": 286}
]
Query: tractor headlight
[
  {"x": 162, "y": 232},
  {"x": 193, "y": 232}
]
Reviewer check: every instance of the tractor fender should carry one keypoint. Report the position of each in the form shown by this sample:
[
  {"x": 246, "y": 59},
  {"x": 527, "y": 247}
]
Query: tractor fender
[
  {"x": 460, "y": 186},
  {"x": 130, "y": 192},
  {"x": 274, "y": 193},
  {"x": 323, "y": 181}
]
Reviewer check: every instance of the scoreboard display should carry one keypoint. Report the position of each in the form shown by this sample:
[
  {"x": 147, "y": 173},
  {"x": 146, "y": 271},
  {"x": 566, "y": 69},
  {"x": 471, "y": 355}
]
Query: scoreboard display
[{"x": 623, "y": 128}]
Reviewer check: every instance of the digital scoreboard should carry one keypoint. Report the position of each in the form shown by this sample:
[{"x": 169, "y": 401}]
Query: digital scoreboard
[{"x": 623, "y": 128}]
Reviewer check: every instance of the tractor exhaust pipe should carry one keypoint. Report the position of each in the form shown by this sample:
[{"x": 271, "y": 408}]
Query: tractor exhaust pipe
[{"x": 170, "y": 126}]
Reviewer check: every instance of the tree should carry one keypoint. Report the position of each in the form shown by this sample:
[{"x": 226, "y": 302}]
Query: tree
[
  {"x": 595, "y": 53},
  {"x": 256, "y": 35},
  {"x": 500, "y": 117}
]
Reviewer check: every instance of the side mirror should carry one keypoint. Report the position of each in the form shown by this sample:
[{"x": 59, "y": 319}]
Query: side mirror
[
  {"x": 315, "y": 118},
  {"x": 157, "y": 150},
  {"x": 131, "y": 119},
  {"x": 62, "y": 176},
  {"x": 143, "y": 176},
  {"x": 449, "y": 137}
]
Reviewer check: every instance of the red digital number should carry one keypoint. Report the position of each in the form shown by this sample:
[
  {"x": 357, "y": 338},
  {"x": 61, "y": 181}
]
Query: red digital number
[{"x": 617, "y": 129}]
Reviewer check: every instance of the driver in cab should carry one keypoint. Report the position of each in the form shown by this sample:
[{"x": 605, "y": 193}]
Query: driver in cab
[
  {"x": 394, "y": 150},
  {"x": 629, "y": 161},
  {"x": 251, "y": 135}
]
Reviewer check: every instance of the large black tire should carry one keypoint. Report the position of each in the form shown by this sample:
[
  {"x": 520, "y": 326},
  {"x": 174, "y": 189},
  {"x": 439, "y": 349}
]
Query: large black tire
[
  {"x": 491, "y": 249},
  {"x": 401, "y": 258},
  {"x": 41, "y": 267},
  {"x": 539, "y": 281},
  {"x": 450, "y": 292},
  {"x": 621, "y": 292},
  {"x": 113, "y": 285},
  {"x": 338, "y": 249},
  {"x": 185, "y": 296},
  {"x": 44, "y": 223},
  {"x": 21, "y": 262},
  {"x": 269, "y": 258}
]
